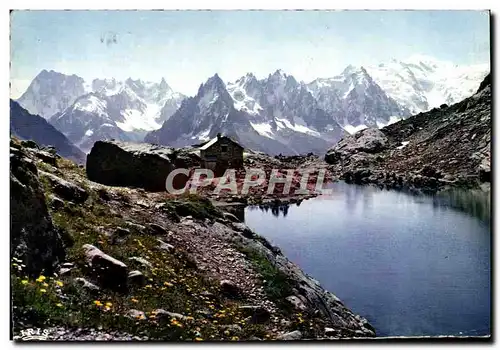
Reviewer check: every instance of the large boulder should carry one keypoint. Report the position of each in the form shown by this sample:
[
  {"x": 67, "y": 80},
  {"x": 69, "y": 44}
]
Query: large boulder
[
  {"x": 369, "y": 141},
  {"x": 137, "y": 165},
  {"x": 34, "y": 238},
  {"x": 256, "y": 314},
  {"x": 65, "y": 189},
  {"x": 108, "y": 271}
]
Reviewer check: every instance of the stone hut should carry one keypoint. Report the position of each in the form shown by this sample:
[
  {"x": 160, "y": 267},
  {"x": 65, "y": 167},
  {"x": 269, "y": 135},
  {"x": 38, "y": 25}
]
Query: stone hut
[{"x": 221, "y": 153}]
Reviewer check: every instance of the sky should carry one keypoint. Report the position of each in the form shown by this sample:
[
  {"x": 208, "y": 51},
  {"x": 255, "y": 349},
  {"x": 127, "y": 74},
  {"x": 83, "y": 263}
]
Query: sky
[{"x": 187, "y": 47}]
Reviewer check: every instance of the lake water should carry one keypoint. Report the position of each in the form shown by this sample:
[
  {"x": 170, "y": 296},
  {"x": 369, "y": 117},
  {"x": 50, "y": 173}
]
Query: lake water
[{"x": 412, "y": 265}]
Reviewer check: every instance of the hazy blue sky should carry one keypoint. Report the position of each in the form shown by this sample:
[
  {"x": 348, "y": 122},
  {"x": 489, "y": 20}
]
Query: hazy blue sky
[{"x": 186, "y": 47}]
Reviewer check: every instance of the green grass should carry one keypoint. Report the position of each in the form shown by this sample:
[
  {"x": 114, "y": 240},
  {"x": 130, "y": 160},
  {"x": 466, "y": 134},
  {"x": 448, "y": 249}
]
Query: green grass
[
  {"x": 191, "y": 204},
  {"x": 277, "y": 285}
]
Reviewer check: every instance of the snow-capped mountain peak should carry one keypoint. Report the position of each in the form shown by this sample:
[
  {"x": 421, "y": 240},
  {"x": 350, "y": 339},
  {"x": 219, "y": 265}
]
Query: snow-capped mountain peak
[
  {"x": 164, "y": 86},
  {"x": 51, "y": 92},
  {"x": 213, "y": 83},
  {"x": 421, "y": 82},
  {"x": 91, "y": 103}
]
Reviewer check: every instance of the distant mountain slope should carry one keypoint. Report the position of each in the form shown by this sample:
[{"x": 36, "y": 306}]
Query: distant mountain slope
[
  {"x": 357, "y": 100},
  {"x": 33, "y": 127},
  {"x": 91, "y": 118},
  {"x": 445, "y": 146}
]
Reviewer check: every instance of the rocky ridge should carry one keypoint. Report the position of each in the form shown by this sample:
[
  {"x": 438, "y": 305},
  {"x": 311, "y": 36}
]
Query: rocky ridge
[{"x": 445, "y": 147}]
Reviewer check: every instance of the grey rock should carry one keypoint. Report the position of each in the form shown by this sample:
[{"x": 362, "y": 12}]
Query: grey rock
[
  {"x": 33, "y": 236},
  {"x": 56, "y": 202},
  {"x": 485, "y": 170},
  {"x": 46, "y": 157},
  {"x": 122, "y": 232},
  {"x": 257, "y": 314},
  {"x": 163, "y": 315},
  {"x": 230, "y": 217},
  {"x": 157, "y": 230},
  {"x": 103, "y": 194},
  {"x": 141, "y": 261},
  {"x": 135, "y": 165},
  {"x": 297, "y": 303},
  {"x": 64, "y": 271},
  {"x": 369, "y": 140},
  {"x": 120, "y": 235},
  {"x": 109, "y": 271},
  {"x": 136, "y": 278},
  {"x": 330, "y": 332},
  {"x": 243, "y": 229},
  {"x": 230, "y": 288},
  {"x": 29, "y": 144},
  {"x": 86, "y": 284},
  {"x": 295, "y": 335},
  {"x": 135, "y": 226},
  {"x": 66, "y": 189},
  {"x": 135, "y": 314},
  {"x": 254, "y": 338},
  {"x": 165, "y": 246},
  {"x": 231, "y": 327}
]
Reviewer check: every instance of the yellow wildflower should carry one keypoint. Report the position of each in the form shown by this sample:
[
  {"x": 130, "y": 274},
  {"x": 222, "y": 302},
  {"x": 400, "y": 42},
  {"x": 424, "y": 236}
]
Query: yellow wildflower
[
  {"x": 59, "y": 283},
  {"x": 109, "y": 304},
  {"x": 43, "y": 290},
  {"x": 97, "y": 302},
  {"x": 24, "y": 281},
  {"x": 59, "y": 305},
  {"x": 235, "y": 338},
  {"x": 198, "y": 339},
  {"x": 41, "y": 278},
  {"x": 45, "y": 285}
]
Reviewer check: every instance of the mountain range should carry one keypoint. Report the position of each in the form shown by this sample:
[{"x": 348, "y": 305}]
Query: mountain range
[
  {"x": 101, "y": 109},
  {"x": 276, "y": 114}
]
